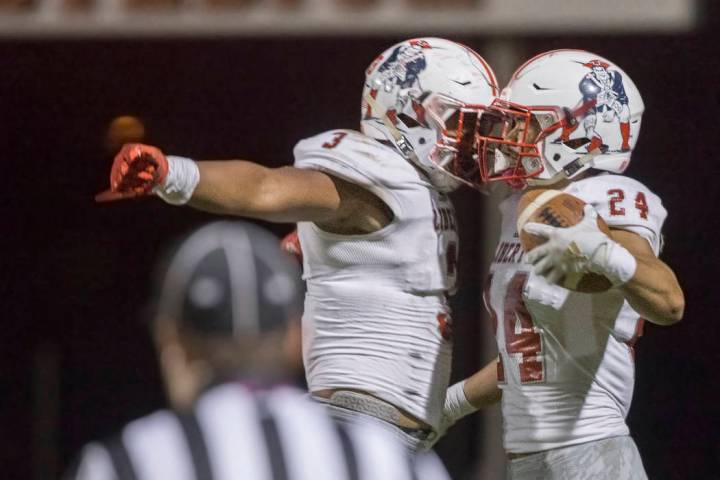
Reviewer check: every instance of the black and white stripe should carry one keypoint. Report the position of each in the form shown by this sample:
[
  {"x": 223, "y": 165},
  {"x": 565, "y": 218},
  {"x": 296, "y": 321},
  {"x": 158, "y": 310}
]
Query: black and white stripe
[{"x": 235, "y": 433}]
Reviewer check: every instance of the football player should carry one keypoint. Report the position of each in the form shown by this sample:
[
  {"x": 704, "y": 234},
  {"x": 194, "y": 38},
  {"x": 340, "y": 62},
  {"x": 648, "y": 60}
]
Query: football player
[
  {"x": 377, "y": 229},
  {"x": 566, "y": 362}
]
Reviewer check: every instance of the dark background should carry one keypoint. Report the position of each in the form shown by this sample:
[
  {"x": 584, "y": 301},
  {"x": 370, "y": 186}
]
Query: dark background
[{"x": 74, "y": 273}]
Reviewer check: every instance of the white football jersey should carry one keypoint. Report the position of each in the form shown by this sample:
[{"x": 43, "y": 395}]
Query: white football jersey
[
  {"x": 376, "y": 317},
  {"x": 566, "y": 359}
]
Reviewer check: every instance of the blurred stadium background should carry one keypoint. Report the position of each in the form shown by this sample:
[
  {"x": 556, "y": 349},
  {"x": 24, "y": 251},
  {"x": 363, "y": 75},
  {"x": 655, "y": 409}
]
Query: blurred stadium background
[{"x": 248, "y": 78}]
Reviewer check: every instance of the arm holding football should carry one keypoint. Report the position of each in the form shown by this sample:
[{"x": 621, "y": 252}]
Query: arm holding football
[
  {"x": 653, "y": 291},
  {"x": 580, "y": 248},
  {"x": 624, "y": 258}
]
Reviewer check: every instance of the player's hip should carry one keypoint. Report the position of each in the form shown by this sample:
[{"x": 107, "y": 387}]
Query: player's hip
[
  {"x": 417, "y": 398},
  {"x": 613, "y": 458},
  {"x": 543, "y": 418},
  {"x": 356, "y": 407}
]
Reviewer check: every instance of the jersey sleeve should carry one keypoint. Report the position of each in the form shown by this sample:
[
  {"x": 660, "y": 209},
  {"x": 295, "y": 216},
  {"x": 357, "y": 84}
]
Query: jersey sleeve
[
  {"x": 624, "y": 203},
  {"x": 347, "y": 155}
]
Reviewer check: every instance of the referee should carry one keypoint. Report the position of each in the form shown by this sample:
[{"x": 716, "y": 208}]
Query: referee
[{"x": 226, "y": 327}]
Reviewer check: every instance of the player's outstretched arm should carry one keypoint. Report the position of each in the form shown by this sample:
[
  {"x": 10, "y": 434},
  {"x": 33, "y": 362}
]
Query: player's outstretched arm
[
  {"x": 653, "y": 291},
  {"x": 235, "y": 187},
  {"x": 284, "y": 194}
]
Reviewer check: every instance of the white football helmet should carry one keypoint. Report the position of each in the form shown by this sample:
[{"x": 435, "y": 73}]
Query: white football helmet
[
  {"x": 425, "y": 97},
  {"x": 563, "y": 112}
]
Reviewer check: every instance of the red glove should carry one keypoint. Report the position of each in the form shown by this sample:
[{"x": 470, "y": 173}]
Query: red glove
[
  {"x": 291, "y": 245},
  {"x": 136, "y": 170}
]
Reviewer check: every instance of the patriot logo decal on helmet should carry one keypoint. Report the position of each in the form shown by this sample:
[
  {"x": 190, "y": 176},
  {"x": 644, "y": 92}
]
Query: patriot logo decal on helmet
[
  {"x": 403, "y": 66},
  {"x": 401, "y": 70},
  {"x": 603, "y": 94}
]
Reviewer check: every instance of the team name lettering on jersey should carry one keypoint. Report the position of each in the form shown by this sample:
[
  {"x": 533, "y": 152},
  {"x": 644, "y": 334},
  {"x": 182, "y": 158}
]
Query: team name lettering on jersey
[
  {"x": 444, "y": 219},
  {"x": 508, "y": 252}
]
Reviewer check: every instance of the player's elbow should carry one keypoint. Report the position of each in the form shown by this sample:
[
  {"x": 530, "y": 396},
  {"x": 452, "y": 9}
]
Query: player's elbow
[
  {"x": 673, "y": 308},
  {"x": 676, "y": 307}
]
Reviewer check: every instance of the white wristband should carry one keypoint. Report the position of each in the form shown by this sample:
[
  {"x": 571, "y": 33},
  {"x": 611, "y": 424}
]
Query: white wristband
[
  {"x": 182, "y": 178},
  {"x": 457, "y": 405},
  {"x": 618, "y": 264}
]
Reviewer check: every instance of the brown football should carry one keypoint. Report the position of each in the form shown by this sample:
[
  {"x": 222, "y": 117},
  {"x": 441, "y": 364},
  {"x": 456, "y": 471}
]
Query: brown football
[{"x": 553, "y": 207}]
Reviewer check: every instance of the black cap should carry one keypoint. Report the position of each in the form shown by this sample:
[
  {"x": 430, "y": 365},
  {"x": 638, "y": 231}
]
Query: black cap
[{"x": 230, "y": 279}]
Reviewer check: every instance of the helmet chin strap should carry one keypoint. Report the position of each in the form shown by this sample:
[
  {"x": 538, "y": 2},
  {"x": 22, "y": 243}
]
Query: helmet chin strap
[
  {"x": 400, "y": 139},
  {"x": 569, "y": 170},
  {"x": 441, "y": 181}
]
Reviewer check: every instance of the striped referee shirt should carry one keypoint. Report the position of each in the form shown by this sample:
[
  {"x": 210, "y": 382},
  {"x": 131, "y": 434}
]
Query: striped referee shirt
[{"x": 238, "y": 434}]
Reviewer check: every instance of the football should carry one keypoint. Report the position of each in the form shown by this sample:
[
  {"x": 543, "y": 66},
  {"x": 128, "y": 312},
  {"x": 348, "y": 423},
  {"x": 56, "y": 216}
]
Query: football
[{"x": 558, "y": 209}]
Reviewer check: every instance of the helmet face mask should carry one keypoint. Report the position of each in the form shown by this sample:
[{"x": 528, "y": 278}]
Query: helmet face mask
[
  {"x": 508, "y": 135},
  {"x": 424, "y": 97},
  {"x": 456, "y": 149},
  {"x": 575, "y": 111}
]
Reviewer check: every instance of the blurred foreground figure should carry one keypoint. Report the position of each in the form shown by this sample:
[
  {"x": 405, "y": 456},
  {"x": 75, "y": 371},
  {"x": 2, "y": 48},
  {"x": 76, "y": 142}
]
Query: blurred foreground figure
[
  {"x": 376, "y": 226},
  {"x": 227, "y": 330}
]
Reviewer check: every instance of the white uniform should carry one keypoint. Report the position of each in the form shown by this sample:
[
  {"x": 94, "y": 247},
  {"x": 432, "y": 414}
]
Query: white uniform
[
  {"x": 376, "y": 315},
  {"x": 566, "y": 359}
]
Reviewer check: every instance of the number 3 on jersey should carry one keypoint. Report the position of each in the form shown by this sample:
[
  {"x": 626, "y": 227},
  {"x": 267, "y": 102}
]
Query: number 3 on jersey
[
  {"x": 523, "y": 341},
  {"x": 337, "y": 138},
  {"x": 446, "y": 227}
]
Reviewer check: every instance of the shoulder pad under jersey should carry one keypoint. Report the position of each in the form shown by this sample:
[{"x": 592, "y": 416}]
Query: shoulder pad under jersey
[
  {"x": 358, "y": 159},
  {"x": 354, "y": 157}
]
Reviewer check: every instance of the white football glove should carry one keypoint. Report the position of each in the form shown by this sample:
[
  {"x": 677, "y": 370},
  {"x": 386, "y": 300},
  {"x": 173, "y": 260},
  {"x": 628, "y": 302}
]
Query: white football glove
[{"x": 582, "y": 248}]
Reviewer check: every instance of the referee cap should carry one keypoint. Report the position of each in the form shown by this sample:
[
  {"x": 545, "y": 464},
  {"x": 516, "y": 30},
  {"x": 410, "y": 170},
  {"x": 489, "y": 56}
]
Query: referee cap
[{"x": 230, "y": 279}]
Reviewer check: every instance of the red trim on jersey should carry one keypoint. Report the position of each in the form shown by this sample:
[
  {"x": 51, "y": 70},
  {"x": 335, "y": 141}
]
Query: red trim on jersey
[
  {"x": 500, "y": 370},
  {"x": 639, "y": 330},
  {"x": 445, "y": 326}
]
